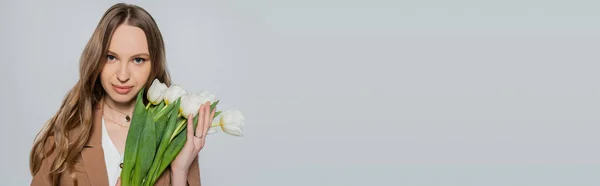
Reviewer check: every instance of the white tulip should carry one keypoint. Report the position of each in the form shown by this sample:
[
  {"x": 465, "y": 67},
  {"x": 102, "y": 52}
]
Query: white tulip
[
  {"x": 173, "y": 93},
  {"x": 232, "y": 122},
  {"x": 213, "y": 130},
  {"x": 207, "y": 96},
  {"x": 190, "y": 104},
  {"x": 156, "y": 92}
]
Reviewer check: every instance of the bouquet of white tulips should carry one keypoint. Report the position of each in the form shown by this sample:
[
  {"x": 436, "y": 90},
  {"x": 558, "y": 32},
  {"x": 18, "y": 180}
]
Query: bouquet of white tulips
[{"x": 157, "y": 131}]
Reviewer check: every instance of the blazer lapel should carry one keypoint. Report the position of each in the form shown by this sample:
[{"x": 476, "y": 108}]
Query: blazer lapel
[{"x": 93, "y": 154}]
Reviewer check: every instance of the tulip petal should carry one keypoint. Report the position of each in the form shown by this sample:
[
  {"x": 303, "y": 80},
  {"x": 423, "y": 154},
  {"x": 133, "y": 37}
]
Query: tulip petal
[
  {"x": 173, "y": 93},
  {"x": 232, "y": 130},
  {"x": 156, "y": 92},
  {"x": 190, "y": 104},
  {"x": 213, "y": 130}
]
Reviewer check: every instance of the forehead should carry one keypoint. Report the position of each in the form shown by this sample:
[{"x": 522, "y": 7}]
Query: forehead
[{"x": 128, "y": 40}]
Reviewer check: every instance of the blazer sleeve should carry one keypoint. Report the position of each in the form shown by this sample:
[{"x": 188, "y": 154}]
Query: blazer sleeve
[
  {"x": 194, "y": 173},
  {"x": 42, "y": 177}
]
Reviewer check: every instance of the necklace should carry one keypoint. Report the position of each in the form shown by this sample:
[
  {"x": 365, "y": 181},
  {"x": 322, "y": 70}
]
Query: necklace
[
  {"x": 112, "y": 121},
  {"x": 127, "y": 118}
]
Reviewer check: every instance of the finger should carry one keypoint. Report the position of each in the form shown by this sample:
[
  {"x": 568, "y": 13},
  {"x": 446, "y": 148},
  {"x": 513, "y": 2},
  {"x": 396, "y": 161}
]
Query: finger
[
  {"x": 200, "y": 126},
  {"x": 190, "y": 128},
  {"x": 202, "y": 144},
  {"x": 207, "y": 119},
  {"x": 118, "y": 182},
  {"x": 209, "y": 123}
]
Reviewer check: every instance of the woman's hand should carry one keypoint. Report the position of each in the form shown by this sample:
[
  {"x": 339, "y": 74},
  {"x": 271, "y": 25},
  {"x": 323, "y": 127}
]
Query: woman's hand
[{"x": 194, "y": 143}]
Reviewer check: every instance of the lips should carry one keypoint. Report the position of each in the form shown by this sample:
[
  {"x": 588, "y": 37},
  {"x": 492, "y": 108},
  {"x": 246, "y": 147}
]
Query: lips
[{"x": 122, "y": 89}]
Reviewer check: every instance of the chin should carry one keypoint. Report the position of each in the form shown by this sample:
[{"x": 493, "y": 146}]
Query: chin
[{"x": 122, "y": 98}]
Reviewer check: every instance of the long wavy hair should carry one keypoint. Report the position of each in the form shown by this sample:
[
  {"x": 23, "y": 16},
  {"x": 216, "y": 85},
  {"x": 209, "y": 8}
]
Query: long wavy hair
[{"x": 68, "y": 130}]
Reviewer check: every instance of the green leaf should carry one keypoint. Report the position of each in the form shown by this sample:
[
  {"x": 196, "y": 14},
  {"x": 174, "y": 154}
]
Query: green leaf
[
  {"x": 154, "y": 171},
  {"x": 214, "y": 105},
  {"x": 165, "y": 110},
  {"x": 146, "y": 151},
  {"x": 181, "y": 124},
  {"x": 133, "y": 139},
  {"x": 173, "y": 150},
  {"x": 217, "y": 113},
  {"x": 161, "y": 105},
  {"x": 161, "y": 125},
  {"x": 152, "y": 109}
]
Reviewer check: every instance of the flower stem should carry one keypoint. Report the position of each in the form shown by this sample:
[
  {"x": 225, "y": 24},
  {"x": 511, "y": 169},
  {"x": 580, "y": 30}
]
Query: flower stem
[
  {"x": 160, "y": 114},
  {"x": 163, "y": 109},
  {"x": 178, "y": 129}
]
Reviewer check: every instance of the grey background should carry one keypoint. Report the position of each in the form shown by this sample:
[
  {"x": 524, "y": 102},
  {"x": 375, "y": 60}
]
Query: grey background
[{"x": 346, "y": 92}]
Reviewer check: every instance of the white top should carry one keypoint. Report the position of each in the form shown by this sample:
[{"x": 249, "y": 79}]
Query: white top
[{"x": 112, "y": 157}]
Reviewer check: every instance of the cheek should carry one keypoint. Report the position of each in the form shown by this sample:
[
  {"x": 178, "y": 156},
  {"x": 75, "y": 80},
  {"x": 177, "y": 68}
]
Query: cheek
[
  {"x": 143, "y": 72},
  {"x": 105, "y": 75}
]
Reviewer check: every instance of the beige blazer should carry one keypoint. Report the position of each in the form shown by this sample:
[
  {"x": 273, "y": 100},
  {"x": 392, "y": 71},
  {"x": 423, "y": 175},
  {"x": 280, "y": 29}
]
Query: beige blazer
[{"x": 90, "y": 168}]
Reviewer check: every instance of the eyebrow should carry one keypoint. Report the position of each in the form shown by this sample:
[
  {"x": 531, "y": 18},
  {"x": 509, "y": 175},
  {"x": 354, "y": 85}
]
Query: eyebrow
[{"x": 138, "y": 54}]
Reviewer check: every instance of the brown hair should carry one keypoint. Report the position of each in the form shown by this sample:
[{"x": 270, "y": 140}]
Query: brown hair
[{"x": 76, "y": 109}]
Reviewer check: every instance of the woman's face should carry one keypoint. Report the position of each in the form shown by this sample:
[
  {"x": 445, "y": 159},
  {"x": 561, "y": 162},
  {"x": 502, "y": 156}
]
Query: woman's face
[{"x": 127, "y": 64}]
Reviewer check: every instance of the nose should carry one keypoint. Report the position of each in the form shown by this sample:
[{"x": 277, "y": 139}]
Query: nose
[{"x": 123, "y": 75}]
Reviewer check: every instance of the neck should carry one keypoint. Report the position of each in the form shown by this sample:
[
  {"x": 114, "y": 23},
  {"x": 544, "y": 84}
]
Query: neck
[{"x": 125, "y": 107}]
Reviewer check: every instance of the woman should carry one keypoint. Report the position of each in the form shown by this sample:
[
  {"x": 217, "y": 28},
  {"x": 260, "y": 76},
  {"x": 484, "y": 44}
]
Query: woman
[{"x": 84, "y": 142}]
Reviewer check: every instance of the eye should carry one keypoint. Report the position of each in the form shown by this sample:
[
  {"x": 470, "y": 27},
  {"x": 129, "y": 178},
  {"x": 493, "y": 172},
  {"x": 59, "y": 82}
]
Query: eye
[
  {"x": 111, "y": 57},
  {"x": 139, "y": 60}
]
